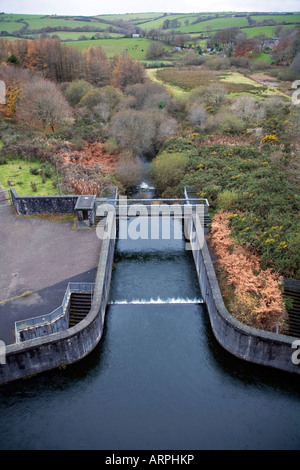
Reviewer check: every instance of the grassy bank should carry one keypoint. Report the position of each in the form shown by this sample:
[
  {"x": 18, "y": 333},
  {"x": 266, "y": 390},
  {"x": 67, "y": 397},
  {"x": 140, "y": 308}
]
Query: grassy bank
[{"x": 19, "y": 174}]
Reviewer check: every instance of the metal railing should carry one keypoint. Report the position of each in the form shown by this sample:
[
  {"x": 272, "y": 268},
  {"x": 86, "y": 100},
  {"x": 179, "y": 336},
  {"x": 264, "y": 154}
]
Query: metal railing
[
  {"x": 53, "y": 316},
  {"x": 181, "y": 207}
]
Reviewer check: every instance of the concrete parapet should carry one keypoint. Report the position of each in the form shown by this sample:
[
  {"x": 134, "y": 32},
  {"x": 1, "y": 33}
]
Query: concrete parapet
[
  {"x": 253, "y": 345},
  {"x": 65, "y": 347}
]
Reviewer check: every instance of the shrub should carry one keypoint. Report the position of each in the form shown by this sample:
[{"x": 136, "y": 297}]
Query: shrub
[
  {"x": 227, "y": 200},
  {"x": 191, "y": 58},
  {"x": 218, "y": 63},
  {"x": 228, "y": 123},
  {"x": 130, "y": 171},
  {"x": 77, "y": 90},
  {"x": 155, "y": 50},
  {"x": 259, "y": 65},
  {"x": 168, "y": 169},
  {"x": 148, "y": 95},
  {"x": 90, "y": 99},
  {"x": 111, "y": 146},
  {"x": 241, "y": 62}
]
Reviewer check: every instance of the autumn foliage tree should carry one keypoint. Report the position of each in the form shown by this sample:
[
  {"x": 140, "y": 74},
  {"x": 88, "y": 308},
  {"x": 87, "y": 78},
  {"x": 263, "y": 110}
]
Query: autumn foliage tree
[
  {"x": 245, "y": 46},
  {"x": 15, "y": 78},
  {"x": 97, "y": 66},
  {"x": 126, "y": 71},
  {"x": 47, "y": 55}
]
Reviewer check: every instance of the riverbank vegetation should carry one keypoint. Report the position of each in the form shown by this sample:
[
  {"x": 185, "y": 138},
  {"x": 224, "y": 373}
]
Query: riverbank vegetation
[{"x": 222, "y": 121}]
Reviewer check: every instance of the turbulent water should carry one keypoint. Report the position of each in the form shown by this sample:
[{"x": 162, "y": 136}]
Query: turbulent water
[{"x": 158, "y": 379}]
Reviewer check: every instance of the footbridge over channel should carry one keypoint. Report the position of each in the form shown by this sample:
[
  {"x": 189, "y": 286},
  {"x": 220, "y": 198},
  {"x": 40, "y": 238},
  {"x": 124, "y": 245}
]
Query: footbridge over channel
[{"x": 179, "y": 208}]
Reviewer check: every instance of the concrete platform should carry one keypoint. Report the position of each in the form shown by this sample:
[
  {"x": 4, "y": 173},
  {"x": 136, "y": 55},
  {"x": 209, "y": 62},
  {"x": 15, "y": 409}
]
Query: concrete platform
[{"x": 41, "y": 257}]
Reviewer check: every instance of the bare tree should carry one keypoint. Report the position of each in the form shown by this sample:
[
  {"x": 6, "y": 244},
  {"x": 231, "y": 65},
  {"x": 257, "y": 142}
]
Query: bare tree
[
  {"x": 140, "y": 132},
  {"x": 42, "y": 103},
  {"x": 215, "y": 94},
  {"x": 130, "y": 171},
  {"x": 197, "y": 115},
  {"x": 155, "y": 50}
]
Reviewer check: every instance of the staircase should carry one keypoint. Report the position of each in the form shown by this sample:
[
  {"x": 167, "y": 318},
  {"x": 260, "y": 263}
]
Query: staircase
[
  {"x": 292, "y": 291},
  {"x": 80, "y": 305}
]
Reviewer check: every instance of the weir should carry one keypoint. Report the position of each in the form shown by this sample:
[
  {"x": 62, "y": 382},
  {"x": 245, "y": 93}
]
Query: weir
[{"x": 161, "y": 259}]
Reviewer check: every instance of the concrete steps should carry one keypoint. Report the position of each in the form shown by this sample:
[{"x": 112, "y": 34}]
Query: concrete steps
[
  {"x": 294, "y": 312},
  {"x": 80, "y": 305}
]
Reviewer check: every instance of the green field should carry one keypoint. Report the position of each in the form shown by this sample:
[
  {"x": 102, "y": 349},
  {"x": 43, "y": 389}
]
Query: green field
[
  {"x": 10, "y": 23},
  {"x": 136, "y": 47},
  {"x": 130, "y": 17},
  {"x": 268, "y": 31},
  {"x": 278, "y": 18},
  {"x": 10, "y": 26},
  {"x": 156, "y": 24},
  {"x": 9, "y": 38},
  {"x": 260, "y": 56},
  {"x": 16, "y": 173},
  {"x": 38, "y": 23},
  {"x": 72, "y": 35}
]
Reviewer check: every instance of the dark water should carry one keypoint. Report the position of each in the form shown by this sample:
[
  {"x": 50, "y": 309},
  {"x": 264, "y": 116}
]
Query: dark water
[{"x": 158, "y": 380}]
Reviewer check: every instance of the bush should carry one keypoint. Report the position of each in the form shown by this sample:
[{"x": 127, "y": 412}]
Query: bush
[
  {"x": 111, "y": 146},
  {"x": 227, "y": 200},
  {"x": 90, "y": 99},
  {"x": 168, "y": 169},
  {"x": 259, "y": 65},
  {"x": 241, "y": 62},
  {"x": 288, "y": 74},
  {"x": 228, "y": 123},
  {"x": 148, "y": 95},
  {"x": 257, "y": 299},
  {"x": 42, "y": 104},
  {"x": 130, "y": 171},
  {"x": 191, "y": 58},
  {"x": 77, "y": 90},
  {"x": 218, "y": 63}
]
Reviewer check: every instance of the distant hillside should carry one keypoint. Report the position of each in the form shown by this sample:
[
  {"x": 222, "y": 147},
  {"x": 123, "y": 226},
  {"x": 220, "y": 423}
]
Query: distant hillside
[{"x": 73, "y": 27}]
